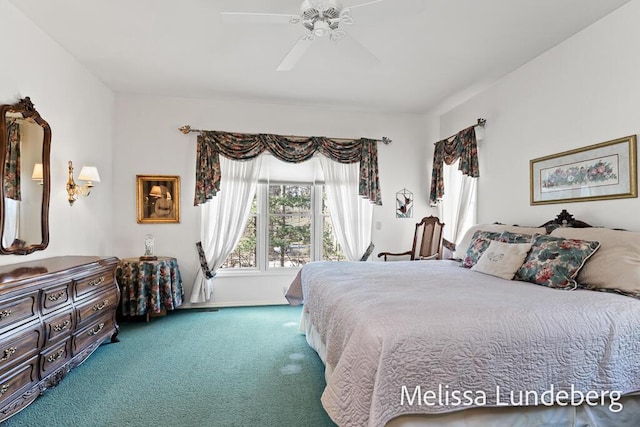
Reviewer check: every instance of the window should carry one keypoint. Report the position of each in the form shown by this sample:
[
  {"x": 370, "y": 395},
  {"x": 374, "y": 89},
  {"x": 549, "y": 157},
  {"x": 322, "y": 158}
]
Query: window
[{"x": 289, "y": 226}]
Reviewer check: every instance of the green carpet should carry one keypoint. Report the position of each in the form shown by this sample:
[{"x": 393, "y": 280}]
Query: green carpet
[{"x": 233, "y": 367}]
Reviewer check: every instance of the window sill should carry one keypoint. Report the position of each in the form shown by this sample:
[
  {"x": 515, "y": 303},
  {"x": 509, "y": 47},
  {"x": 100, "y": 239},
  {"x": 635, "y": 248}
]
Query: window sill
[{"x": 288, "y": 271}]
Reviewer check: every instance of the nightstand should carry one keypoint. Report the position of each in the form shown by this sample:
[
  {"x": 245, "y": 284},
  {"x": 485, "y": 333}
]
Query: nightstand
[{"x": 149, "y": 287}]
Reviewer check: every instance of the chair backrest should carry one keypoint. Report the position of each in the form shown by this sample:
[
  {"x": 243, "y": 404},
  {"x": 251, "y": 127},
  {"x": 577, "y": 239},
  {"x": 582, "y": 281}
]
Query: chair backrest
[{"x": 427, "y": 241}]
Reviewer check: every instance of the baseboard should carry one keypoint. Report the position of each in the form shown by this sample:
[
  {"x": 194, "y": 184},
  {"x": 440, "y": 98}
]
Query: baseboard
[{"x": 187, "y": 306}]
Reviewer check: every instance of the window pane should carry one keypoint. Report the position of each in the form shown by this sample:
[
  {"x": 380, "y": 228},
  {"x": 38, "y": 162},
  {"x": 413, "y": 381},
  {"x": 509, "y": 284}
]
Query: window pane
[
  {"x": 244, "y": 255},
  {"x": 289, "y": 240},
  {"x": 325, "y": 207},
  {"x": 331, "y": 250},
  {"x": 289, "y": 225},
  {"x": 290, "y": 199}
]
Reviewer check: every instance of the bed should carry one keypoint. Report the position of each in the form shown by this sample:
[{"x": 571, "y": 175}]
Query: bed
[{"x": 413, "y": 343}]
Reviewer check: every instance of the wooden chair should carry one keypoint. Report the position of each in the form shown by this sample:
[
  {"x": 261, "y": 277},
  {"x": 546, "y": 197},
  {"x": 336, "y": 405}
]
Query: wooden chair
[{"x": 428, "y": 236}]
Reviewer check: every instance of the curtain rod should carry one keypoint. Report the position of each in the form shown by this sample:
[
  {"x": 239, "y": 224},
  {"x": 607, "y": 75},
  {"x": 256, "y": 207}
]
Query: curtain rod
[
  {"x": 187, "y": 129},
  {"x": 481, "y": 122}
]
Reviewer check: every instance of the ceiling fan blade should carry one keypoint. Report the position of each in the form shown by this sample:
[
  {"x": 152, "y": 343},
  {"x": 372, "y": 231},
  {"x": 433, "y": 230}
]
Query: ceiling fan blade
[
  {"x": 359, "y": 54},
  {"x": 296, "y": 52},
  {"x": 260, "y": 18},
  {"x": 364, "y": 4}
]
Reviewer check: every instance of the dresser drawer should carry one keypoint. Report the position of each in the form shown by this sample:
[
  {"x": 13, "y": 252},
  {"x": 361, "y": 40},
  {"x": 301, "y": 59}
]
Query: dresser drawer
[
  {"x": 98, "y": 330},
  {"x": 98, "y": 304},
  {"x": 55, "y": 297},
  {"x": 54, "y": 357},
  {"x": 21, "y": 309},
  {"x": 19, "y": 346},
  {"x": 58, "y": 326},
  {"x": 94, "y": 283},
  {"x": 18, "y": 380}
]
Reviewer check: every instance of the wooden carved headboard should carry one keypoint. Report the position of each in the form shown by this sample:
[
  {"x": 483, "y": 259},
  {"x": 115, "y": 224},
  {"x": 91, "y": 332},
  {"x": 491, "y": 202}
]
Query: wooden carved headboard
[{"x": 564, "y": 219}]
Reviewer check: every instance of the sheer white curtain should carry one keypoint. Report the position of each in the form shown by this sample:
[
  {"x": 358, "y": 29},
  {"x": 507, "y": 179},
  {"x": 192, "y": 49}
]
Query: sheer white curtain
[
  {"x": 11, "y": 221},
  {"x": 458, "y": 207},
  {"x": 351, "y": 214},
  {"x": 223, "y": 218}
]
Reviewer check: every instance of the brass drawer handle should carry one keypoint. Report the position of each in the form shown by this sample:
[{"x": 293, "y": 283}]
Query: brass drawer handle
[
  {"x": 56, "y": 356},
  {"x": 62, "y": 326},
  {"x": 56, "y": 297},
  {"x": 5, "y": 313},
  {"x": 96, "y": 330},
  {"x": 4, "y": 389},
  {"x": 8, "y": 353},
  {"x": 101, "y": 305},
  {"x": 96, "y": 282}
]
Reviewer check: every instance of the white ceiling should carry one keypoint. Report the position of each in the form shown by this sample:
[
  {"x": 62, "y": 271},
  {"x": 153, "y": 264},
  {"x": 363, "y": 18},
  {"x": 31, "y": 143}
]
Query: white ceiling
[{"x": 432, "y": 53}]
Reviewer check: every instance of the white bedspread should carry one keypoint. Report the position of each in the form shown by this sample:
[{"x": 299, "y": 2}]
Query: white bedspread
[{"x": 437, "y": 326}]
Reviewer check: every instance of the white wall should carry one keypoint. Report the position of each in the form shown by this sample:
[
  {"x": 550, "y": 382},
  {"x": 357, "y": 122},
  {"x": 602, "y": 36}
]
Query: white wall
[
  {"x": 582, "y": 92},
  {"x": 79, "y": 109},
  {"x": 147, "y": 142}
]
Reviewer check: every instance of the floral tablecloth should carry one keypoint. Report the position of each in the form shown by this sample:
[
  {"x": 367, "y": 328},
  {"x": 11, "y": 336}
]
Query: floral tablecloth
[{"x": 149, "y": 286}]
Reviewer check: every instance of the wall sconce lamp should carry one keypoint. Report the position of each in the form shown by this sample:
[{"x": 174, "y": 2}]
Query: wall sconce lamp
[
  {"x": 87, "y": 173},
  {"x": 37, "y": 174}
]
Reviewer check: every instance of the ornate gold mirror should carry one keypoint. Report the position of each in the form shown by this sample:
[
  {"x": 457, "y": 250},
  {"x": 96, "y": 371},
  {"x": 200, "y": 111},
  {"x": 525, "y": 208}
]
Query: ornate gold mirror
[{"x": 25, "y": 145}]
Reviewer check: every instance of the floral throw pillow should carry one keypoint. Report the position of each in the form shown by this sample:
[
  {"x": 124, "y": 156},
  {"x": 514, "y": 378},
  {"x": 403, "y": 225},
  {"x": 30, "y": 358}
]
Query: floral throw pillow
[
  {"x": 479, "y": 243},
  {"x": 509, "y": 237},
  {"x": 555, "y": 262}
]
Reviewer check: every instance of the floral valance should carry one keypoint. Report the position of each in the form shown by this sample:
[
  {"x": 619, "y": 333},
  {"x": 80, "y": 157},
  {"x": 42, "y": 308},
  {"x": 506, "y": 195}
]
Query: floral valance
[
  {"x": 12, "y": 163},
  {"x": 463, "y": 146},
  {"x": 239, "y": 146}
]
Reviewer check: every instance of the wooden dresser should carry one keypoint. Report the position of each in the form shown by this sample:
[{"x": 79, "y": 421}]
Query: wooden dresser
[{"x": 54, "y": 313}]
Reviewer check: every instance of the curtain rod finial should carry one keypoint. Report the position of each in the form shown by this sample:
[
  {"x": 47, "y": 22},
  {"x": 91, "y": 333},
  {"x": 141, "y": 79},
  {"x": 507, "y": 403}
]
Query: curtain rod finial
[
  {"x": 482, "y": 122},
  {"x": 386, "y": 141},
  {"x": 185, "y": 129}
]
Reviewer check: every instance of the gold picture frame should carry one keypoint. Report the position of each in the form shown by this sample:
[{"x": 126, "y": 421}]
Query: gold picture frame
[
  {"x": 158, "y": 199},
  {"x": 603, "y": 171}
]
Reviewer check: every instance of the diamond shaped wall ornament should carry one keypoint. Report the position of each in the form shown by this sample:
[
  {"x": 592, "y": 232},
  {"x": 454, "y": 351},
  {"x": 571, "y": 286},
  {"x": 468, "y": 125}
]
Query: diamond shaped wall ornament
[{"x": 404, "y": 204}]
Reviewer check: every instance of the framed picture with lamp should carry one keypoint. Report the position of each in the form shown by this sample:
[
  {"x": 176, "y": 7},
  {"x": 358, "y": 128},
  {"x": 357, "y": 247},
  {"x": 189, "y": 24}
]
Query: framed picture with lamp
[{"x": 158, "y": 199}]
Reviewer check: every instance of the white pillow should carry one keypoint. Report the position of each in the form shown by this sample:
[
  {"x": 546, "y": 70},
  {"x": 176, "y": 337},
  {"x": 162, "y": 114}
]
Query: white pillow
[
  {"x": 502, "y": 259},
  {"x": 616, "y": 265},
  {"x": 463, "y": 245}
]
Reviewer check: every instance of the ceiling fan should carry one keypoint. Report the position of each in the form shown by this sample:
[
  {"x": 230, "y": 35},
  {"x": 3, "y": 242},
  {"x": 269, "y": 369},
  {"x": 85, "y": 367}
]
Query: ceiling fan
[{"x": 321, "y": 18}]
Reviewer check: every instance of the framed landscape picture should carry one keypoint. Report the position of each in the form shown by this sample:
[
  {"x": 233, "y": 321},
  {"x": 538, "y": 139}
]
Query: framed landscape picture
[
  {"x": 597, "y": 172},
  {"x": 158, "y": 198}
]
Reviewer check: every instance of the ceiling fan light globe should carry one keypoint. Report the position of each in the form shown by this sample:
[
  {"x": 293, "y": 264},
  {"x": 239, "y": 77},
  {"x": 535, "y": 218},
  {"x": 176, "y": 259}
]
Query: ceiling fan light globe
[{"x": 320, "y": 28}]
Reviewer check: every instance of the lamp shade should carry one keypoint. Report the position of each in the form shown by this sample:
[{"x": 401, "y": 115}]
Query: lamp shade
[
  {"x": 89, "y": 173},
  {"x": 37, "y": 172},
  {"x": 156, "y": 191}
]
